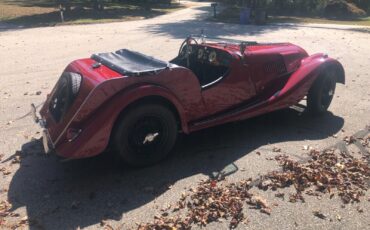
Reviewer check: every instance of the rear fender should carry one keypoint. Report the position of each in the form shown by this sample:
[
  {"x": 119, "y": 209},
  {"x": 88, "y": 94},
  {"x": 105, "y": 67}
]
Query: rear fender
[
  {"x": 96, "y": 129},
  {"x": 136, "y": 93}
]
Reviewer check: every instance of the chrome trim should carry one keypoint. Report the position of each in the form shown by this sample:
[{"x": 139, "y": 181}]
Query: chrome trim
[
  {"x": 78, "y": 110},
  {"x": 75, "y": 136},
  {"x": 46, "y": 141}
]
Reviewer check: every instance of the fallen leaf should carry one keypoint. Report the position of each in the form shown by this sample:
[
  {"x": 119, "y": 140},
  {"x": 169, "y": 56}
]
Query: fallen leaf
[
  {"x": 319, "y": 215},
  {"x": 14, "y": 214},
  {"x": 349, "y": 139},
  {"x": 280, "y": 195},
  {"x": 16, "y": 160},
  {"x": 24, "y": 220},
  {"x": 5, "y": 171},
  {"x": 277, "y": 150}
]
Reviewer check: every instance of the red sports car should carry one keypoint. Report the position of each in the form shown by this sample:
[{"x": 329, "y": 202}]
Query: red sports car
[{"x": 138, "y": 104}]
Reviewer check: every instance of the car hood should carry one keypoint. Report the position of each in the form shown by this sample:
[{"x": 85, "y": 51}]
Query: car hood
[{"x": 292, "y": 54}]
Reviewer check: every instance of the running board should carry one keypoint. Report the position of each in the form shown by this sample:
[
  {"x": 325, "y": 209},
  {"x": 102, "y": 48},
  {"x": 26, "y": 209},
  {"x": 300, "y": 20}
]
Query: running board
[{"x": 223, "y": 115}]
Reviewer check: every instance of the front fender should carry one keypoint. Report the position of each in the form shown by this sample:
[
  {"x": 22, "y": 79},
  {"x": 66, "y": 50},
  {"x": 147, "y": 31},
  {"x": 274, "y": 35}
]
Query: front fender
[{"x": 311, "y": 68}]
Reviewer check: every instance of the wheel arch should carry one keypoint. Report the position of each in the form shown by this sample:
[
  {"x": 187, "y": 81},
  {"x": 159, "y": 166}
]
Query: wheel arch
[
  {"x": 337, "y": 67},
  {"x": 151, "y": 99}
]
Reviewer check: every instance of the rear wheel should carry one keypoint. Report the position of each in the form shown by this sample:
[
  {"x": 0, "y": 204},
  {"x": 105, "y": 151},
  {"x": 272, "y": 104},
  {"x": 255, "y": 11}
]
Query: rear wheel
[
  {"x": 145, "y": 134},
  {"x": 321, "y": 93}
]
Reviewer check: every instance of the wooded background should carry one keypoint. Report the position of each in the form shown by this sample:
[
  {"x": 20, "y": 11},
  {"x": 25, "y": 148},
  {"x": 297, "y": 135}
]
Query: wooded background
[
  {"x": 309, "y": 7},
  {"x": 335, "y": 8}
]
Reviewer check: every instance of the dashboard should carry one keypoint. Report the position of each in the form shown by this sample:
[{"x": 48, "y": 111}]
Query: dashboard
[{"x": 206, "y": 54}]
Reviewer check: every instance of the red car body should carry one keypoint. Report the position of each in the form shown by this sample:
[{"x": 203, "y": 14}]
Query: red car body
[{"x": 258, "y": 78}]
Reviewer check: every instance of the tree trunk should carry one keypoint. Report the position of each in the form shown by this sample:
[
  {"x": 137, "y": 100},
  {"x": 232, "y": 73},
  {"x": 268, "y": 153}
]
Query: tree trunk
[{"x": 98, "y": 5}]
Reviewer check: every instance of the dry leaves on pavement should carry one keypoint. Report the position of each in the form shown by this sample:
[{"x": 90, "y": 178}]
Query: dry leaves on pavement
[
  {"x": 4, "y": 212},
  {"x": 211, "y": 201},
  {"x": 329, "y": 171},
  {"x": 5, "y": 171}
]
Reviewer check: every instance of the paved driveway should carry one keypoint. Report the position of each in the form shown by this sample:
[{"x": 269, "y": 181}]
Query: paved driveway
[{"x": 68, "y": 195}]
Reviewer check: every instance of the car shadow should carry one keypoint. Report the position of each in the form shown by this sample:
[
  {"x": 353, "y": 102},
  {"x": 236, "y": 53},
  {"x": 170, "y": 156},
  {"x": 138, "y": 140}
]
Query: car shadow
[{"x": 80, "y": 193}]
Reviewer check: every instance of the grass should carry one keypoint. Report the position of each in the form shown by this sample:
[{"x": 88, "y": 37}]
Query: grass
[
  {"x": 294, "y": 19},
  {"x": 231, "y": 15},
  {"x": 33, "y": 13}
]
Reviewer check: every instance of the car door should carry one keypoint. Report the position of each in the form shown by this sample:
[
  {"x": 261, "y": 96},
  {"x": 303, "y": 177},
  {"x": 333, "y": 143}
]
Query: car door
[{"x": 233, "y": 89}]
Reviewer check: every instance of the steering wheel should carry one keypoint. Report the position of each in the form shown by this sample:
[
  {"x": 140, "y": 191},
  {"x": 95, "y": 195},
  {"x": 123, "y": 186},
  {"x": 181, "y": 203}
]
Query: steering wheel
[{"x": 188, "y": 50}]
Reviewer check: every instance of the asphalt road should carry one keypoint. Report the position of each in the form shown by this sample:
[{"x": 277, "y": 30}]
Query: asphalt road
[{"x": 68, "y": 195}]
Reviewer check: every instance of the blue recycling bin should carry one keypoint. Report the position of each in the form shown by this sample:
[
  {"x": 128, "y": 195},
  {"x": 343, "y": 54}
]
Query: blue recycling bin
[{"x": 245, "y": 15}]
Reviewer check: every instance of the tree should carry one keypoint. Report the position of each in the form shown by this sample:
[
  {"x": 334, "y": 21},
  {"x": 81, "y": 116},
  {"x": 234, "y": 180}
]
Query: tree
[{"x": 98, "y": 5}]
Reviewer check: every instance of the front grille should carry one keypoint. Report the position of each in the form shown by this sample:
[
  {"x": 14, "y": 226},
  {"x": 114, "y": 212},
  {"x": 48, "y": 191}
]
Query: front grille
[{"x": 64, "y": 95}]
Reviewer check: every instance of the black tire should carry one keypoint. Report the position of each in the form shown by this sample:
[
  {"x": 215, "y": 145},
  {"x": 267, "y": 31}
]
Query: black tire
[
  {"x": 145, "y": 134},
  {"x": 321, "y": 93}
]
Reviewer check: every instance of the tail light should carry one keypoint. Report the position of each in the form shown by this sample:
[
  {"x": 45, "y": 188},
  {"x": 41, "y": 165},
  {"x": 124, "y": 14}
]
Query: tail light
[{"x": 67, "y": 89}]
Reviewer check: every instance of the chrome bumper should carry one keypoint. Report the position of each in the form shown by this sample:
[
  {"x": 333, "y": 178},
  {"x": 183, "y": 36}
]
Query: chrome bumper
[{"x": 46, "y": 140}]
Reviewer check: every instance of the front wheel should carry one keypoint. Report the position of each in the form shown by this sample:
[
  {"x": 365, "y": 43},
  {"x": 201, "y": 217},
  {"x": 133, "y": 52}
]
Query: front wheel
[
  {"x": 145, "y": 134},
  {"x": 321, "y": 93}
]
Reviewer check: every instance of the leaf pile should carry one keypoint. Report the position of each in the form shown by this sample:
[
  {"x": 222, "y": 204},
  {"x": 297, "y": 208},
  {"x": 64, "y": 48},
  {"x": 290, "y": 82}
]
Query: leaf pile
[
  {"x": 166, "y": 223},
  {"x": 328, "y": 171},
  {"x": 211, "y": 202},
  {"x": 21, "y": 223},
  {"x": 4, "y": 211}
]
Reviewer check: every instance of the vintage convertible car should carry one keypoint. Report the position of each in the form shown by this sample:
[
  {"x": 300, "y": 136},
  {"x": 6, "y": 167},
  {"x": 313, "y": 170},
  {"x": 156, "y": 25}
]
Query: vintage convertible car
[{"x": 137, "y": 105}]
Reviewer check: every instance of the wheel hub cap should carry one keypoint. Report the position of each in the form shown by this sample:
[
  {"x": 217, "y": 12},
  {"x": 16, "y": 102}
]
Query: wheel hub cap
[{"x": 150, "y": 137}]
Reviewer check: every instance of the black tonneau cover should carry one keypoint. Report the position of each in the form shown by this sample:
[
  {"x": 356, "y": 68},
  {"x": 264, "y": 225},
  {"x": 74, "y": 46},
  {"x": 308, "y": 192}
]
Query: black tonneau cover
[{"x": 127, "y": 62}]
